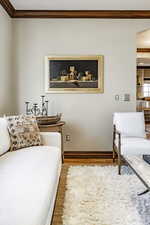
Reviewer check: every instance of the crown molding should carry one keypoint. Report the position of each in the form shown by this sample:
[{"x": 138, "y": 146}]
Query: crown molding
[
  {"x": 143, "y": 50},
  {"x": 6, "y": 4},
  {"x": 99, "y": 14},
  {"x": 78, "y": 14}
]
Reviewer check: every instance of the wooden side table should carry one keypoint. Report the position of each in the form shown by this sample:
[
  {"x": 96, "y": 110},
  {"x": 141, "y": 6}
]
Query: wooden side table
[{"x": 57, "y": 127}]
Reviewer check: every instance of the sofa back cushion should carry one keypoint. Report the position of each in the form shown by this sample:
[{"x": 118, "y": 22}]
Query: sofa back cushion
[
  {"x": 130, "y": 124},
  {"x": 24, "y": 132},
  {"x": 4, "y": 136}
]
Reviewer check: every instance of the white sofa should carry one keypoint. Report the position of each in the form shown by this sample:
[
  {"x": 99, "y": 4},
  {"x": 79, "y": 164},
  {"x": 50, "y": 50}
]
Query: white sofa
[
  {"x": 129, "y": 136},
  {"x": 28, "y": 180}
]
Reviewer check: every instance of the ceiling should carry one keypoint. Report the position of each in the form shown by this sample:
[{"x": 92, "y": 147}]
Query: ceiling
[{"x": 81, "y": 4}]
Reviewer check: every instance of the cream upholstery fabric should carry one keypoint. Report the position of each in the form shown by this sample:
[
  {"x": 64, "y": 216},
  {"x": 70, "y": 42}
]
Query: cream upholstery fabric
[
  {"x": 28, "y": 185},
  {"x": 130, "y": 124},
  {"x": 51, "y": 139},
  {"x": 4, "y": 136},
  {"x": 29, "y": 180},
  {"x": 134, "y": 146}
]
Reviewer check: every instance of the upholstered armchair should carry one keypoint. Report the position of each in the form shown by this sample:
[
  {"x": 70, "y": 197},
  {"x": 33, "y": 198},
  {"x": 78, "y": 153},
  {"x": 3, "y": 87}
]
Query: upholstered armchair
[{"x": 129, "y": 136}]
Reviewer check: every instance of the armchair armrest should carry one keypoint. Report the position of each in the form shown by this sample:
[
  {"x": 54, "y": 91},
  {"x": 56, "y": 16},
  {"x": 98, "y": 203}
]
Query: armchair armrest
[
  {"x": 147, "y": 133},
  {"x": 118, "y": 133},
  {"x": 51, "y": 139}
]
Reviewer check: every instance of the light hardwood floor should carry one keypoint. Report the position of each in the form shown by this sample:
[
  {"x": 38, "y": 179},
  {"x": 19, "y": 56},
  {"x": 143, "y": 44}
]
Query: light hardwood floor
[{"x": 88, "y": 161}]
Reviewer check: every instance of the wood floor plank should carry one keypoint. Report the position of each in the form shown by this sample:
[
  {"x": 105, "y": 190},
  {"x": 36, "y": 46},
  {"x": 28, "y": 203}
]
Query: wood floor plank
[
  {"x": 58, "y": 210},
  {"x": 88, "y": 161}
]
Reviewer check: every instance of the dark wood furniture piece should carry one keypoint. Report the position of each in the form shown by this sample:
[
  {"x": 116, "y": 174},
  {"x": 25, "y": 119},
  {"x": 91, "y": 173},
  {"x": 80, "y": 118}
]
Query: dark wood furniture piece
[
  {"x": 57, "y": 127},
  {"x": 100, "y": 14},
  {"x": 117, "y": 150}
]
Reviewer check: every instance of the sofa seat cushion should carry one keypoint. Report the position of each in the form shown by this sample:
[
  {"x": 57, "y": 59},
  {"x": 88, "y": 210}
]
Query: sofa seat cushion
[
  {"x": 134, "y": 146},
  {"x": 28, "y": 181}
]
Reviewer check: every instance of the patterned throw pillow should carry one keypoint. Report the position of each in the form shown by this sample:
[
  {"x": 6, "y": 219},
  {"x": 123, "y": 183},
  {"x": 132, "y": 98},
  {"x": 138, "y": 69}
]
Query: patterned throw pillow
[{"x": 24, "y": 132}]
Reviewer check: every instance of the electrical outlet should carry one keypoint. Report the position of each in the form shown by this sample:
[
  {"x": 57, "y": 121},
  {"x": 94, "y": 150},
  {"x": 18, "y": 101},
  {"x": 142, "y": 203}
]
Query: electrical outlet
[{"x": 67, "y": 137}]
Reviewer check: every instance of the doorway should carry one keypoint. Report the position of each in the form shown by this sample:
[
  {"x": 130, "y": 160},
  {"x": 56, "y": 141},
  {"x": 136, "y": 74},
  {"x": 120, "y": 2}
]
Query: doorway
[{"x": 143, "y": 74}]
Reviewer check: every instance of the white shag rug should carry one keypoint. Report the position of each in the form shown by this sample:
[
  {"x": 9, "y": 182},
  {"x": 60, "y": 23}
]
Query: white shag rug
[{"x": 98, "y": 196}]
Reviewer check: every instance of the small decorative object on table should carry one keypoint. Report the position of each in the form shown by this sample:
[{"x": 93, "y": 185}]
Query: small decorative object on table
[
  {"x": 42, "y": 113},
  {"x": 35, "y": 109},
  {"x": 47, "y": 120}
]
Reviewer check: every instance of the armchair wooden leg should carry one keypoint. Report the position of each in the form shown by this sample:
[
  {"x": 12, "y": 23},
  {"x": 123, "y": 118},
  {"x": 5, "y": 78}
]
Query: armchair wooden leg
[
  {"x": 114, "y": 136},
  {"x": 119, "y": 155},
  {"x": 114, "y": 155},
  {"x": 117, "y": 149},
  {"x": 119, "y": 169},
  {"x": 119, "y": 164}
]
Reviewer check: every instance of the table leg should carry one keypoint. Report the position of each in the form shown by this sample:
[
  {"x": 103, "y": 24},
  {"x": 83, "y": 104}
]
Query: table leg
[
  {"x": 144, "y": 192},
  {"x": 62, "y": 147}
]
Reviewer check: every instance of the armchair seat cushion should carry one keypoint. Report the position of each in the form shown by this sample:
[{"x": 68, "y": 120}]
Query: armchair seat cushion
[{"x": 134, "y": 146}]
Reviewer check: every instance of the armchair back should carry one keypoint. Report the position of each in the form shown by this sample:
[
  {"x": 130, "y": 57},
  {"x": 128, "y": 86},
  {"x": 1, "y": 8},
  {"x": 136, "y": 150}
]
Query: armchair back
[{"x": 130, "y": 124}]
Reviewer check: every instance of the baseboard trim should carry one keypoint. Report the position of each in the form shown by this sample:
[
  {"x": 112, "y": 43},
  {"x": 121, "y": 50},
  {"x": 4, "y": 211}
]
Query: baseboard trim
[{"x": 88, "y": 154}]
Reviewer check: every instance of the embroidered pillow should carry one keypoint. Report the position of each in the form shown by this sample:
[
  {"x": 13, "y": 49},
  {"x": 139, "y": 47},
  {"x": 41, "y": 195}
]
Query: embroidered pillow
[{"x": 24, "y": 132}]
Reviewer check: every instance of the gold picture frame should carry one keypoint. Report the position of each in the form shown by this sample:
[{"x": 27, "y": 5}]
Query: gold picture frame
[{"x": 74, "y": 74}]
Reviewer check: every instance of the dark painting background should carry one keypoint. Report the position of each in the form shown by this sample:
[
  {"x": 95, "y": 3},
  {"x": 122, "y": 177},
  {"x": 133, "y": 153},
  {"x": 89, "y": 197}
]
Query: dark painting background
[{"x": 56, "y": 66}]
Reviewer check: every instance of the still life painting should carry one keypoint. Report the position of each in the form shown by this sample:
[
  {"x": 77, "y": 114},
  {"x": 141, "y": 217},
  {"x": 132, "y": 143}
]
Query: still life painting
[{"x": 74, "y": 74}]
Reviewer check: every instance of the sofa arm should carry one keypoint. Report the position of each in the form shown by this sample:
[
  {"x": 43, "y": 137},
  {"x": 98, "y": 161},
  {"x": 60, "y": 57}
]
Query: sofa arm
[{"x": 51, "y": 139}]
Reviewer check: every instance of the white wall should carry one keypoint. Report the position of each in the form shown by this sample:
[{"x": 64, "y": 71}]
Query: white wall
[
  {"x": 88, "y": 116},
  {"x": 6, "y": 76}
]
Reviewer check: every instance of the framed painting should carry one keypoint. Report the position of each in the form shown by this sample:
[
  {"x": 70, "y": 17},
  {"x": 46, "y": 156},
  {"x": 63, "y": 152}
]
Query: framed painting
[{"x": 74, "y": 74}]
